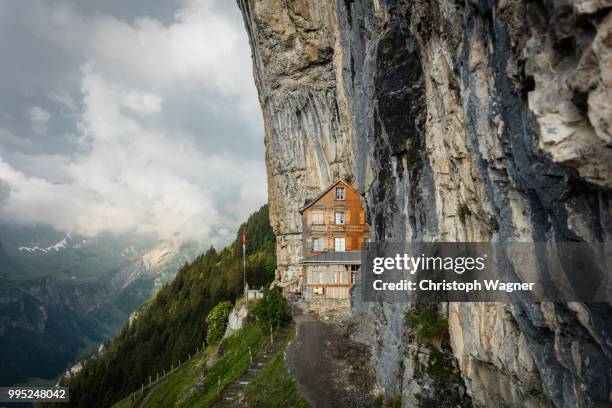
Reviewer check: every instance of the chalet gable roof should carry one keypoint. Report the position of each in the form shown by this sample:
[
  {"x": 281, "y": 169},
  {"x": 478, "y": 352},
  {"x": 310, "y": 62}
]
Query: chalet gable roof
[{"x": 310, "y": 203}]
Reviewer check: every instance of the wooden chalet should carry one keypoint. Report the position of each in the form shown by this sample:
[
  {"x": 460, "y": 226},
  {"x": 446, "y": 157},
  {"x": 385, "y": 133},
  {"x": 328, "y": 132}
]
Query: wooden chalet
[{"x": 334, "y": 231}]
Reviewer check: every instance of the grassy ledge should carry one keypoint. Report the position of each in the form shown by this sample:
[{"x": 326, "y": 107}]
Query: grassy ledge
[{"x": 273, "y": 387}]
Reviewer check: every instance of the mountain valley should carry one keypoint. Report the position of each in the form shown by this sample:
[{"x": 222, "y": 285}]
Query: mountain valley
[{"x": 62, "y": 295}]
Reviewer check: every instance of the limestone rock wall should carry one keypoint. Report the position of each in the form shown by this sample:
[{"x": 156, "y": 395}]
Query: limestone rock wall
[
  {"x": 293, "y": 47},
  {"x": 458, "y": 121}
]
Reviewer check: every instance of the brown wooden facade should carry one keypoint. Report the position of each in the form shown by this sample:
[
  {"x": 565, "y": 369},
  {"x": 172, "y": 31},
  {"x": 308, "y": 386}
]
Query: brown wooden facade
[{"x": 334, "y": 230}]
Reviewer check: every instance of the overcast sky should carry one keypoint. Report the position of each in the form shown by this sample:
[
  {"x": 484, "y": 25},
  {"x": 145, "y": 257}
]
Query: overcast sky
[{"x": 119, "y": 115}]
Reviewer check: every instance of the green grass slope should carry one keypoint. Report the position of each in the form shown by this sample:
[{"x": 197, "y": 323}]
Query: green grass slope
[{"x": 195, "y": 385}]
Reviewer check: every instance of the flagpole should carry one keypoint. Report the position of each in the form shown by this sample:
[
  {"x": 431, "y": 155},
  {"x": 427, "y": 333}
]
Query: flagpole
[{"x": 245, "y": 294}]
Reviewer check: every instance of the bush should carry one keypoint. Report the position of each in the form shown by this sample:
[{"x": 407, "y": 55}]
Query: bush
[
  {"x": 431, "y": 329},
  {"x": 216, "y": 321},
  {"x": 273, "y": 309}
]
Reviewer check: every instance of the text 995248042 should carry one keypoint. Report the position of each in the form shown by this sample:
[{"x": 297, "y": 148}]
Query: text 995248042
[{"x": 34, "y": 394}]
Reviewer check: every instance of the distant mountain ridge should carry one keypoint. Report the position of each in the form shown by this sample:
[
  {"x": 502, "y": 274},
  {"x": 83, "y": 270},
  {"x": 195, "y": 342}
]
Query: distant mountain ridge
[{"x": 63, "y": 293}]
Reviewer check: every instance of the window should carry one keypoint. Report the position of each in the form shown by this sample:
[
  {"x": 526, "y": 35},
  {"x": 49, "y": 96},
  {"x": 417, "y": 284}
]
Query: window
[
  {"x": 340, "y": 244},
  {"x": 340, "y": 218},
  {"x": 317, "y": 218},
  {"x": 344, "y": 277},
  {"x": 339, "y": 193},
  {"x": 315, "y": 275},
  {"x": 318, "y": 244}
]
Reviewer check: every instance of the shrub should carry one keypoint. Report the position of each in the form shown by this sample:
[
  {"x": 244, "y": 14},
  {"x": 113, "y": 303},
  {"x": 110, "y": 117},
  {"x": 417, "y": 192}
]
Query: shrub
[
  {"x": 395, "y": 402},
  {"x": 463, "y": 211},
  {"x": 273, "y": 309},
  {"x": 431, "y": 329},
  {"x": 216, "y": 321}
]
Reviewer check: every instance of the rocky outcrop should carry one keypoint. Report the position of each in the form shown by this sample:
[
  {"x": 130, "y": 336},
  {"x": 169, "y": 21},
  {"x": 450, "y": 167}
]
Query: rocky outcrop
[
  {"x": 76, "y": 368},
  {"x": 236, "y": 319},
  {"x": 457, "y": 121},
  {"x": 149, "y": 266}
]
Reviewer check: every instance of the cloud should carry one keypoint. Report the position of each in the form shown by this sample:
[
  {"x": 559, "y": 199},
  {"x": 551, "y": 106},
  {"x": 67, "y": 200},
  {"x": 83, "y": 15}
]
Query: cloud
[
  {"x": 7, "y": 138},
  {"x": 33, "y": 200},
  {"x": 160, "y": 133},
  {"x": 202, "y": 46},
  {"x": 63, "y": 97},
  {"x": 39, "y": 118},
  {"x": 5, "y": 191},
  {"x": 134, "y": 177},
  {"x": 38, "y": 115}
]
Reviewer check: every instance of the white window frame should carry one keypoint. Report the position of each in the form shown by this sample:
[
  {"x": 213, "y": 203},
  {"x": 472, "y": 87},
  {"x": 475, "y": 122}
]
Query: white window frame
[
  {"x": 340, "y": 196},
  {"x": 340, "y": 218},
  {"x": 317, "y": 218},
  {"x": 340, "y": 244},
  {"x": 316, "y": 247}
]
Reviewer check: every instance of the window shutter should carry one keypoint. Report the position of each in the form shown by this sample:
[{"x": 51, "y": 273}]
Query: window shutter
[
  {"x": 347, "y": 217},
  {"x": 307, "y": 218},
  {"x": 332, "y": 221},
  {"x": 348, "y": 244},
  {"x": 362, "y": 217},
  {"x": 329, "y": 243}
]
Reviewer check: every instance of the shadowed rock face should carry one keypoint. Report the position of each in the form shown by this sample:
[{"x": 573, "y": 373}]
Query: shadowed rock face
[{"x": 458, "y": 121}]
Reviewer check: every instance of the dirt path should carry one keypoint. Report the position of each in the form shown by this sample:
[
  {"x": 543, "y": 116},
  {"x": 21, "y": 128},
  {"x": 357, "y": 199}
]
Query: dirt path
[
  {"x": 232, "y": 394},
  {"x": 319, "y": 360},
  {"x": 150, "y": 393}
]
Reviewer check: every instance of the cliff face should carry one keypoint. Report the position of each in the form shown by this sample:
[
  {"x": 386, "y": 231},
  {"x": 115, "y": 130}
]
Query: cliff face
[{"x": 457, "y": 121}]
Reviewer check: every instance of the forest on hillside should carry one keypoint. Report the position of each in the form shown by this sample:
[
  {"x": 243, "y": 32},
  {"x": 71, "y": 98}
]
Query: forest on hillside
[{"x": 172, "y": 324}]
